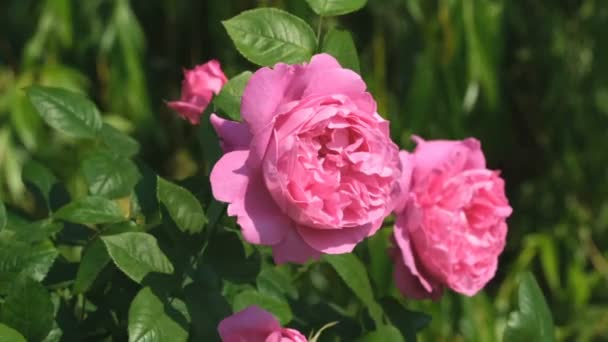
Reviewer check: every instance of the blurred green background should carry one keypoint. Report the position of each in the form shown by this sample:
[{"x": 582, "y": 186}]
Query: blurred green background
[{"x": 528, "y": 78}]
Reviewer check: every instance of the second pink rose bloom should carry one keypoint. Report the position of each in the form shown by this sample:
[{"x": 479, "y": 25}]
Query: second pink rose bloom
[
  {"x": 198, "y": 87},
  {"x": 312, "y": 168},
  {"x": 451, "y": 227}
]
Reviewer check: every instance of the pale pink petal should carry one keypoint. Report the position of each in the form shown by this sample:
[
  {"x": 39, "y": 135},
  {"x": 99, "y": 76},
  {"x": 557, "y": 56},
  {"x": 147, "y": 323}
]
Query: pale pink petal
[
  {"x": 407, "y": 166},
  {"x": 334, "y": 241},
  {"x": 251, "y": 324},
  {"x": 293, "y": 249},
  {"x": 402, "y": 238},
  {"x": 263, "y": 94},
  {"x": 229, "y": 177},
  {"x": 449, "y": 156},
  {"x": 260, "y": 219},
  {"x": 234, "y": 135},
  {"x": 187, "y": 110},
  {"x": 334, "y": 81}
]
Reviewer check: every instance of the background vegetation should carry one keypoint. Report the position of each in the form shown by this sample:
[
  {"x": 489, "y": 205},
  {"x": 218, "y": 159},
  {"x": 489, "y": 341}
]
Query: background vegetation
[{"x": 528, "y": 78}]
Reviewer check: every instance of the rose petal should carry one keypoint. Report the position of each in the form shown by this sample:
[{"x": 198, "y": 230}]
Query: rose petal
[
  {"x": 401, "y": 236},
  {"x": 450, "y": 156},
  {"x": 260, "y": 219},
  {"x": 263, "y": 94},
  {"x": 293, "y": 249},
  {"x": 251, "y": 324},
  {"x": 334, "y": 241},
  {"x": 234, "y": 135},
  {"x": 187, "y": 110}
]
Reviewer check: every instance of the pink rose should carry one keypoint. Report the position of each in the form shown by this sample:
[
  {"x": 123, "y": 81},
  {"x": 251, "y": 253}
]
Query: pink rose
[
  {"x": 312, "y": 168},
  {"x": 453, "y": 227},
  {"x": 256, "y": 325},
  {"x": 198, "y": 88}
]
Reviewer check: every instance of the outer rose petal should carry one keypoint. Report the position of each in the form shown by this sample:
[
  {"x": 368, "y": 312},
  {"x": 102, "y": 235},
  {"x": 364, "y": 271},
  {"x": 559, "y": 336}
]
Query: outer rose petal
[
  {"x": 234, "y": 135},
  {"x": 293, "y": 249},
  {"x": 407, "y": 167},
  {"x": 187, "y": 110},
  {"x": 427, "y": 287},
  {"x": 446, "y": 155},
  {"x": 263, "y": 94},
  {"x": 408, "y": 284},
  {"x": 252, "y": 324},
  {"x": 260, "y": 219},
  {"x": 334, "y": 241}
]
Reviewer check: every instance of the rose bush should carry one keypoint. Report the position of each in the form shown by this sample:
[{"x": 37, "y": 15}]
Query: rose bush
[
  {"x": 452, "y": 226},
  {"x": 312, "y": 168},
  {"x": 256, "y": 325},
  {"x": 198, "y": 87}
]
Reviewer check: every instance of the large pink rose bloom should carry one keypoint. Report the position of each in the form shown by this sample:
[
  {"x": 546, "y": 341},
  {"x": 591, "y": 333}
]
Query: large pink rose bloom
[
  {"x": 312, "y": 168},
  {"x": 198, "y": 87},
  {"x": 256, "y": 325},
  {"x": 453, "y": 227}
]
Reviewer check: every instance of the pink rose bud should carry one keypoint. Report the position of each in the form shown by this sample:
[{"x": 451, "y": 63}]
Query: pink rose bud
[
  {"x": 256, "y": 325},
  {"x": 312, "y": 168},
  {"x": 453, "y": 225},
  {"x": 198, "y": 87}
]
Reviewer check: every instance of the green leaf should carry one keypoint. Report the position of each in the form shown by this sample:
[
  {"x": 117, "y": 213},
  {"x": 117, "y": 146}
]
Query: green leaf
[
  {"x": 118, "y": 141},
  {"x": 110, "y": 175},
  {"x": 533, "y": 321},
  {"x": 384, "y": 333},
  {"x": 340, "y": 44},
  {"x": 94, "y": 259},
  {"x": 39, "y": 176},
  {"x": 278, "y": 307},
  {"x": 335, "y": 7},
  {"x": 407, "y": 321},
  {"x": 36, "y": 231},
  {"x": 68, "y": 112},
  {"x": 91, "y": 210},
  {"x": 267, "y": 36},
  {"x": 3, "y": 218},
  {"x": 354, "y": 274},
  {"x": 229, "y": 99},
  {"x": 150, "y": 322},
  {"x": 28, "y": 309},
  {"x": 274, "y": 282},
  {"x": 183, "y": 207},
  {"x": 8, "y": 334},
  {"x": 137, "y": 254},
  {"x": 17, "y": 257}
]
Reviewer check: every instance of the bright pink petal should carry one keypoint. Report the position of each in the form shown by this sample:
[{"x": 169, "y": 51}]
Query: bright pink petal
[
  {"x": 230, "y": 176},
  {"x": 260, "y": 219},
  {"x": 450, "y": 156},
  {"x": 187, "y": 110},
  {"x": 293, "y": 249},
  {"x": 426, "y": 284},
  {"x": 334, "y": 241},
  {"x": 407, "y": 166},
  {"x": 334, "y": 81},
  {"x": 263, "y": 94},
  {"x": 323, "y": 61},
  {"x": 234, "y": 135},
  {"x": 251, "y": 324},
  {"x": 409, "y": 285}
]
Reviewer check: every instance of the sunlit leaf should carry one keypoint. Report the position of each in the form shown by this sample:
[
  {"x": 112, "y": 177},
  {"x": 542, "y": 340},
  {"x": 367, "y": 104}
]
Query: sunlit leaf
[
  {"x": 149, "y": 320},
  {"x": 340, "y": 44},
  {"x": 229, "y": 99},
  {"x": 137, "y": 254},
  {"x": 335, "y": 7},
  {"x": 183, "y": 207},
  {"x": 8, "y": 334},
  {"x": 267, "y": 36},
  {"x": 533, "y": 321},
  {"x": 91, "y": 210},
  {"x": 109, "y": 174},
  {"x": 94, "y": 259},
  {"x": 68, "y": 112}
]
